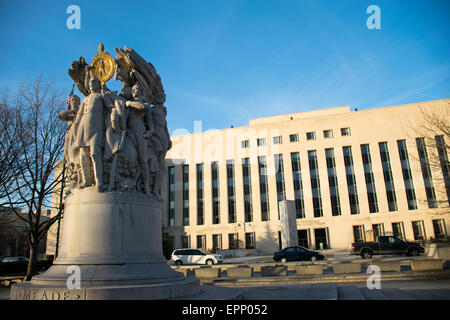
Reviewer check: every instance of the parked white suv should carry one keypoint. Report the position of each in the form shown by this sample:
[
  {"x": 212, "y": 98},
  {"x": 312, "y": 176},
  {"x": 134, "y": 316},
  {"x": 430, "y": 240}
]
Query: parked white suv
[{"x": 194, "y": 256}]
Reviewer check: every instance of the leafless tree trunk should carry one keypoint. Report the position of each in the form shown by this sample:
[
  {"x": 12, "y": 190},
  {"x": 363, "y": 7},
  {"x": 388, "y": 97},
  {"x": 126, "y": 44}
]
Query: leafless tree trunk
[
  {"x": 37, "y": 142},
  {"x": 433, "y": 128}
]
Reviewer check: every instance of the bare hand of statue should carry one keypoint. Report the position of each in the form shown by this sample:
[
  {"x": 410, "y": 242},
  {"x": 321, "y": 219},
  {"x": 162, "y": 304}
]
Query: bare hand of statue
[{"x": 137, "y": 105}]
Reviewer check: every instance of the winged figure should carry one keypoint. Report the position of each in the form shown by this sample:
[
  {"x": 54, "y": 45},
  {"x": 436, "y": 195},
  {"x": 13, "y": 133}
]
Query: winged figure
[{"x": 132, "y": 69}]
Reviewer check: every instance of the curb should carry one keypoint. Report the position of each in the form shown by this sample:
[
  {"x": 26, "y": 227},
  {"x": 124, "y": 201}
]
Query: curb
[{"x": 345, "y": 278}]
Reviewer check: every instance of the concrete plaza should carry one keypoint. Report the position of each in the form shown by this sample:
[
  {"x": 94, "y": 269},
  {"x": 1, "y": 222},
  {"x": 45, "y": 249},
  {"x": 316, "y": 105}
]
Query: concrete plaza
[
  {"x": 389, "y": 290},
  {"x": 403, "y": 285}
]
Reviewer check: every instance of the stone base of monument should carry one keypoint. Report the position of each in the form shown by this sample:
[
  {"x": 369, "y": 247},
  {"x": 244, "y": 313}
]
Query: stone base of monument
[
  {"x": 187, "y": 289},
  {"x": 182, "y": 288},
  {"x": 111, "y": 249}
]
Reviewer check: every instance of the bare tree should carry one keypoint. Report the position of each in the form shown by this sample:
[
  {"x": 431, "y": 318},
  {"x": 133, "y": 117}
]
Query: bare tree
[
  {"x": 9, "y": 154},
  {"x": 432, "y": 136},
  {"x": 38, "y": 138},
  {"x": 10, "y": 150}
]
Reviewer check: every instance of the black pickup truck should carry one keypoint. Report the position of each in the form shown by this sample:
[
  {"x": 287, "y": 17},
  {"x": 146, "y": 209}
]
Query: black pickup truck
[{"x": 386, "y": 245}]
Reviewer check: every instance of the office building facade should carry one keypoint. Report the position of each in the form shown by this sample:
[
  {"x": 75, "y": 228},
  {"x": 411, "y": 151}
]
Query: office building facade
[{"x": 353, "y": 175}]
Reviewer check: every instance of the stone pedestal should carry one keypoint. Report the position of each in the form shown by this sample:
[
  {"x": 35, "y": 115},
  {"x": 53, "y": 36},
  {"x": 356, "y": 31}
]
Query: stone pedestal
[{"x": 114, "y": 240}]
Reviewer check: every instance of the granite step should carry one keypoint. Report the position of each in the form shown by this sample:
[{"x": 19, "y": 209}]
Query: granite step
[
  {"x": 430, "y": 294},
  {"x": 298, "y": 292},
  {"x": 397, "y": 294},
  {"x": 440, "y": 294},
  {"x": 215, "y": 293},
  {"x": 350, "y": 293},
  {"x": 322, "y": 291},
  {"x": 373, "y": 294}
]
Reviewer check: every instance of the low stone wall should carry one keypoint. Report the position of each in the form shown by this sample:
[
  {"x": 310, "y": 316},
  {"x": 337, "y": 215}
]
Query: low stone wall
[
  {"x": 342, "y": 268},
  {"x": 240, "y": 272},
  {"x": 206, "y": 272},
  {"x": 269, "y": 271},
  {"x": 304, "y": 268},
  {"x": 387, "y": 266},
  {"x": 309, "y": 269},
  {"x": 8, "y": 281},
  {"x": 427, "y": 264},
  {"x": 187, "y": 272},
  {"x": 438, "y": 250}
]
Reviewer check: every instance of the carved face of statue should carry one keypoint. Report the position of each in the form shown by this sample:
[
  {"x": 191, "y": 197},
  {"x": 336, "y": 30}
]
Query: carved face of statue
[
  {"x": 74, "y": 101},
  {"x": 160, "y": 98},
  {"x": 94, "y": 84},
  {"x": 136, "y": 91}
]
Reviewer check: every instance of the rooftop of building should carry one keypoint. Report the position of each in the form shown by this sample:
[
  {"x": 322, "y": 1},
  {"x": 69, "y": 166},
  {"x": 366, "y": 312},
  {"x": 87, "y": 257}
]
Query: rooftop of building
[
  {"x": 300, "y": 115},
  {"x": 329, "y": 112}
]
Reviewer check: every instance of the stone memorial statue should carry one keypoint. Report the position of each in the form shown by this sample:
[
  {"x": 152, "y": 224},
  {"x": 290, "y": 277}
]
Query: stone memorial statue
[
  {"x": 114, "y": 156},
  {"x": 121, "y": 140}
]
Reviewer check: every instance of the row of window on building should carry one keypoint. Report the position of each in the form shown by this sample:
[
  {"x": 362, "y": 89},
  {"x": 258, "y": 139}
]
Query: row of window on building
[
  {"x": 327, "y": 134},
  {"x": 320, "y": 236},
  {"x": 234, "y": 242},
  {"x": 335, "y": 193}
]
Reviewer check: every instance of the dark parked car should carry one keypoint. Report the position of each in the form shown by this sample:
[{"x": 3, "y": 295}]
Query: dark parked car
[
  {"x": 386, "y": 245},
  {"x": 13, "y": 266},
  {"x": 18, "y": 265},
  {"x": 296, "y": 254}
]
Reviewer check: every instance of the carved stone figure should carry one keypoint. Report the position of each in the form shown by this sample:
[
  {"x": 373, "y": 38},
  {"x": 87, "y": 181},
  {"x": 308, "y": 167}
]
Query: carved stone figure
[
  {"x": 90, "y": 136},
  {"x": 132, "y": 69},
  {"x": 70, "y": 155},
  {"x": 139, "y": 111},
  {"x": 160, "y": 139},
  {"x": 116, "y": 132},
  {"x": 119, "y": 141},
  {"x": 69, "y": 116}
]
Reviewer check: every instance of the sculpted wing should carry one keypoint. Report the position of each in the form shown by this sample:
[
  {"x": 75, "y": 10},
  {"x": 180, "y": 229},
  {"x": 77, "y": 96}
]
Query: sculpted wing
[
  {"x": 78, "y": 73},
  {"x": 133, "y": 69}
]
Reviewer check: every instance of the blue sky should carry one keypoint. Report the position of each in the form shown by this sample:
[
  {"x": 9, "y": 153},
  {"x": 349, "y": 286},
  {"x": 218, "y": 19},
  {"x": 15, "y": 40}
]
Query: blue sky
[{"x": 224, "y": 62}]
